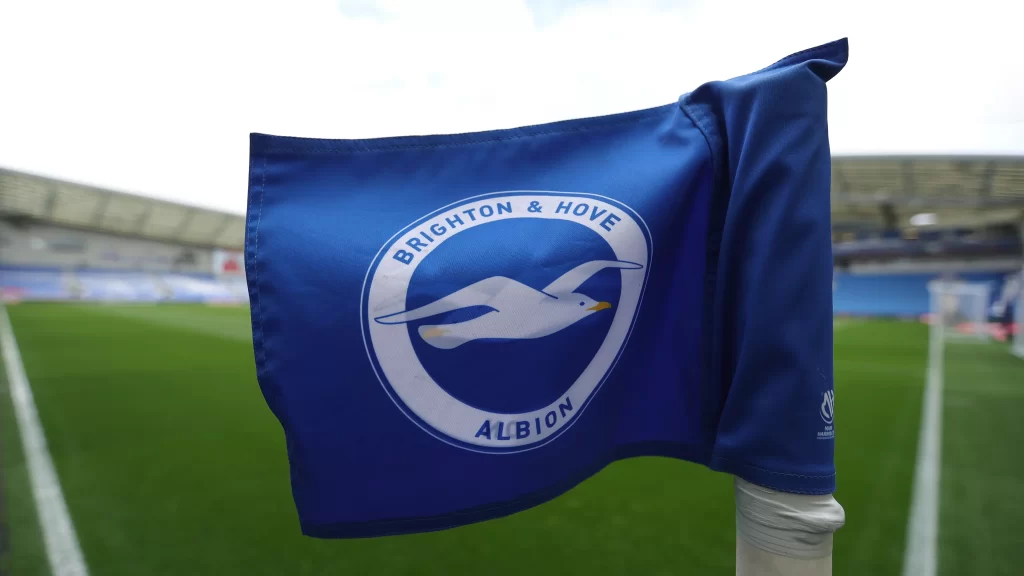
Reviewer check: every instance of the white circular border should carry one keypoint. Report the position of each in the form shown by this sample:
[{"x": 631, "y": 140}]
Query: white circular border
[{"x": 412, "y": 389}]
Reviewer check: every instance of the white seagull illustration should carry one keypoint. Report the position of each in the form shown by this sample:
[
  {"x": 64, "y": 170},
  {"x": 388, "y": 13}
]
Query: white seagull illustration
[{"x": 517, "y": 311}]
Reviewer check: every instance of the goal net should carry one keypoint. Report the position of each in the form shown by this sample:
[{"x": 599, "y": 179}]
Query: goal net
[{"x": 960, "y": 309}]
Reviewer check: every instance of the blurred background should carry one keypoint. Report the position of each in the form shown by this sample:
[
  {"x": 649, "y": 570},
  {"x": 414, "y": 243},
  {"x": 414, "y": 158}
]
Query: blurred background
[{"x": 123, "y": 167}]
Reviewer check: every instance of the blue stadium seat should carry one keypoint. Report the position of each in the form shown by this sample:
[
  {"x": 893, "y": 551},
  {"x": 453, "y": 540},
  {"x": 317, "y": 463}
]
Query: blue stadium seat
[
  {"x": 902, "y": 295},
  {"x": 197, "y": 288},
  {"x": 33, "y": 284},
  {"x": 117, "y": 286}
]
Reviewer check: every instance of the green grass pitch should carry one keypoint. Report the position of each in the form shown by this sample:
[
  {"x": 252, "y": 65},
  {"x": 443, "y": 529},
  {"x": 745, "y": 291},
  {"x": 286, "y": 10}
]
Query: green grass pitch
[{"x": 172, "y": 464}]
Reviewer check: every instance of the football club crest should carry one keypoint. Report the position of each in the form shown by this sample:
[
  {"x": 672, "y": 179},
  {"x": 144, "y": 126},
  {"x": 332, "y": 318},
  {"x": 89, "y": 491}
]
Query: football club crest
[{"x": 494, "y": 321}]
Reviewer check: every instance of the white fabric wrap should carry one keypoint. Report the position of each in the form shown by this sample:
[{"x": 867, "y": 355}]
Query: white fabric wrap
[
  {"x": 752, "y": 561},
  {"x": 784, "y": 524}
]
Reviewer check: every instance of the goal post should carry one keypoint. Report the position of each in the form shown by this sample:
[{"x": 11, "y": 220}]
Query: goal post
[
  {"x": 1018, "y": 317},
  {"x": 959, "y": 310}
]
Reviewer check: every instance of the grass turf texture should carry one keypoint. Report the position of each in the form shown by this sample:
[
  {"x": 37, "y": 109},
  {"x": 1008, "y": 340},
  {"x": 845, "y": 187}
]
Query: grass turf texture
[
  {"x": 21, "y": 545},
  {"x": 171, "y": 463},
  {"x": 982, "y": 483}
]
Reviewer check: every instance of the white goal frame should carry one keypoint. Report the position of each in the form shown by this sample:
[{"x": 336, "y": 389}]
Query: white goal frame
[
  {"x": 1018, "y": 320},
  {"x": 960, "y": 309}
]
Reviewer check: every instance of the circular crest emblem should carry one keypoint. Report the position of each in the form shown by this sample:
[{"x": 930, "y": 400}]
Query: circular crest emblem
[{"x": 493, "y": 322}]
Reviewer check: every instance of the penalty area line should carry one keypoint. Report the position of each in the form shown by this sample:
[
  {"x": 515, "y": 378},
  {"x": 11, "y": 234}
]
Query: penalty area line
[
  {"x": 62, "y": 549},
  {"x": 920, "y": 554}
]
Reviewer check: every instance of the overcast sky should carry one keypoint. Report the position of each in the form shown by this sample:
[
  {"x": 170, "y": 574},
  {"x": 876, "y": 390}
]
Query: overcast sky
[{"x": 158, "y": 98}]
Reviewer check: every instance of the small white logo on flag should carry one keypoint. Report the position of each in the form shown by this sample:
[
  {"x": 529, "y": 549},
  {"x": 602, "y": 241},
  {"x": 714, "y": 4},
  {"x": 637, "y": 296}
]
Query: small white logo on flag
[{"x": 828, "y": 406}]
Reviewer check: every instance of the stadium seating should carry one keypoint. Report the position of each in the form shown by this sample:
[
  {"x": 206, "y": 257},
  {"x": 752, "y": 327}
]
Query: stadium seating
[
  {"x": 197, "y": 288},
  {"x": 902, "y": 295},
  {"x": 856, "y": 294},
  {"x": 117, "y": 286},
  {"x": 41, "y": 245},
  {"x": 33, "y": 284},
  {"x": 239, "y": 289},
  {"x": 22, "y": 283}
]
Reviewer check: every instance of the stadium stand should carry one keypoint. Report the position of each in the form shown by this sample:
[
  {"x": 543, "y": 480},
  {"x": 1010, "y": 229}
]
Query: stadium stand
[
  {"x": 34, "y": 283},
  {"x": 65, "y": 241},
  {"x": 117, "y": 286},
  {"x": 895, "y": 294},
  {"x": 1018, "y": 316},
  {"x": 62, "y": 240},
  {"x": 879, "y": 195},
  {"x": 902, "y": 222},
  {"x": 197, "y": 288}
]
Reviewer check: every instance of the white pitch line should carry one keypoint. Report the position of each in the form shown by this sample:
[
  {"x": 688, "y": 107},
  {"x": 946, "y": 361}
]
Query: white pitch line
[
  {"x": 919, "y": 556},
  {"x": 62, "y": 549}
]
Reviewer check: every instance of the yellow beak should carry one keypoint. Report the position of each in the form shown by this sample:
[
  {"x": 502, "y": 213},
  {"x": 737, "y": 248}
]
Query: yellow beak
[{"x": 600, "y": 306}]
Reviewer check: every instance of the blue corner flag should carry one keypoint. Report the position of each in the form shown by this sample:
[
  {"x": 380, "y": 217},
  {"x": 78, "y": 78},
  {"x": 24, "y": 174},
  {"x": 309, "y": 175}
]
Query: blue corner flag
[{"x": 456, "y": 328}]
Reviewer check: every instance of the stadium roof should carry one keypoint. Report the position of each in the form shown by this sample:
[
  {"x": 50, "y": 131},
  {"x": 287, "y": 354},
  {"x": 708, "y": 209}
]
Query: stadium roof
[
  {"x": 962, "y": 191},
  {"x": 868, "y": 192},
  {"x": 79, "y": 206}
]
